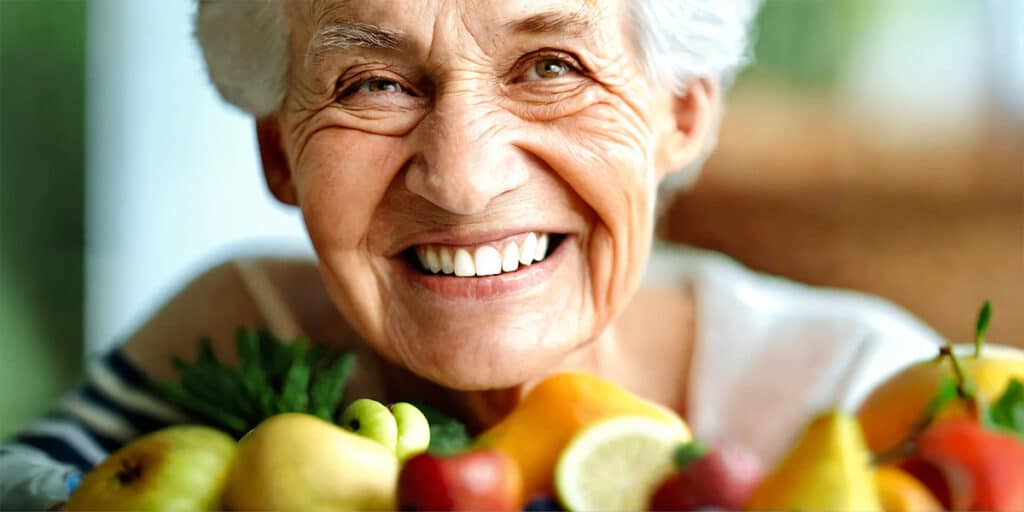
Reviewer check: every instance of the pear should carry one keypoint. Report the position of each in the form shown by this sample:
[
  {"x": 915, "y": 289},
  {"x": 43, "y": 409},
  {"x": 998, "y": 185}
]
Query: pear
[
  {"x": 177, "y": 468},
  {"x": 297, "y": 461},
  {"x": 829, "y": 468},
  {"x": 372, "y": 420},
  {"x": 413, "y": 430}
]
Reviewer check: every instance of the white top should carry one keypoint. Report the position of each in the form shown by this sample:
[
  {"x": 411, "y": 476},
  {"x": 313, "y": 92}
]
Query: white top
[{"x": 771, "y": 353}]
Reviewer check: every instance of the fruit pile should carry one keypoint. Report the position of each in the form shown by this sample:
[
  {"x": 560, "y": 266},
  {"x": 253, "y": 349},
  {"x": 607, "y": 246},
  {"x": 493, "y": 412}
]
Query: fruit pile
[{"x": 943, "y": 434}]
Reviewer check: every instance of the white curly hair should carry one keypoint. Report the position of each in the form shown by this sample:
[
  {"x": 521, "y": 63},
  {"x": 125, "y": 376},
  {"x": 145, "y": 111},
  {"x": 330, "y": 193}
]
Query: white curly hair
[{"x": 245, "y": 45}]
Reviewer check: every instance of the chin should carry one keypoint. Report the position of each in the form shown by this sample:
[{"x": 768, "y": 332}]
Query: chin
[{"x": 485, "y": 361}]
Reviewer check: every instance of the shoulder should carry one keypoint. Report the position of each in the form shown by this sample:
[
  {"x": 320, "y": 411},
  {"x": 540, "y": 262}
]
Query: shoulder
[
  {"x": 787, "y": 348},
  {"x": 282, "y": 295},
  {"x": 729, "y": 293}
]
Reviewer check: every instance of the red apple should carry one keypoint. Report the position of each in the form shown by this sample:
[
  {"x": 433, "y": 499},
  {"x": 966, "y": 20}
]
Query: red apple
[
  {"x": 723, "y": 478},
  {"x": 969, "y": 467},
  {"x": 478, "y": 480}
]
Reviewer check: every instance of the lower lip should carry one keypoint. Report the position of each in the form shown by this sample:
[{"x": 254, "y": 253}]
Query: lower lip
[{"x": 452, "y": 288}]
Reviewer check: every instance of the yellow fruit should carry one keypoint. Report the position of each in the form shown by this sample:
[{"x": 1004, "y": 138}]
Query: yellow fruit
[
  {"x": 177, "y": 468},
  {"x": 535, "y": 433},
  {"x": 300, "y": 462},
  {"x": 889, "y": 412},
  {"x": 616, "y": 464},
  {"x": 829, "y": 468},
  {"x": 900, "y": 492}
]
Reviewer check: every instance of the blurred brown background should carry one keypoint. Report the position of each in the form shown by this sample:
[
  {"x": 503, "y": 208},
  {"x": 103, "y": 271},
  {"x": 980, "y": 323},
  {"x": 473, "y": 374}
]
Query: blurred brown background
[{"x": 878, "y": 146}]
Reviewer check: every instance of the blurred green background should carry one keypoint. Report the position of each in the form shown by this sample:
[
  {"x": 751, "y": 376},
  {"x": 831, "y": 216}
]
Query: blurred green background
[{"x": 42, "y": 176}]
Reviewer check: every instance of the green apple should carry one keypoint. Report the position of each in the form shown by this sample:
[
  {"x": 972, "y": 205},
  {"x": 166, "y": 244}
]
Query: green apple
[
  {"x": 373, "y": 420},
  {"x": 297, "y": 461},
  {"x": 413, "y": 430},
  {"x": 178, "y": 468}
]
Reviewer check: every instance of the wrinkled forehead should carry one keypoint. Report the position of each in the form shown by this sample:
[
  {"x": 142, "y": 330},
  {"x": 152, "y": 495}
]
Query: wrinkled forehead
[{"x": 417, "y": 24}]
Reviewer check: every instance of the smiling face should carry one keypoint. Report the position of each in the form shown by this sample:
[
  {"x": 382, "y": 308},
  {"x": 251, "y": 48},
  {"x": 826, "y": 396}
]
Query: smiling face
[{"x": 477, "y": 177}]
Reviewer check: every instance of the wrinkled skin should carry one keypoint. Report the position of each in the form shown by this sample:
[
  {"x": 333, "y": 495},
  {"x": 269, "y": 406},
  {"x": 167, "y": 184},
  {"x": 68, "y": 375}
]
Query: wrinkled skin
[{"x": 475, "y": 126}]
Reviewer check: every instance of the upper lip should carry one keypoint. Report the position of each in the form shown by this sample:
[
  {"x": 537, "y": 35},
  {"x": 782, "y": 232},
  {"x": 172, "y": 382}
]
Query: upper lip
[{"x": 465, "y": 237}]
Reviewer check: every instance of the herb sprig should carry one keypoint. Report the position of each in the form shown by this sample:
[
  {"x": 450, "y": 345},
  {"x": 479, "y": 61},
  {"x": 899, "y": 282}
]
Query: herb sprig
[{"x": 271, "y": 377}]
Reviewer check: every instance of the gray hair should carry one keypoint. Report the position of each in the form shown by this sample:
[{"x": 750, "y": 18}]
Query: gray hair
[{"x": 245, "y": 44}]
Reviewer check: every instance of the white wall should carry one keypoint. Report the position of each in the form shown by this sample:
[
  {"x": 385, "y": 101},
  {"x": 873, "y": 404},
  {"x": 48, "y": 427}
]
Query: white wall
[{"x": 173, "y": 179}]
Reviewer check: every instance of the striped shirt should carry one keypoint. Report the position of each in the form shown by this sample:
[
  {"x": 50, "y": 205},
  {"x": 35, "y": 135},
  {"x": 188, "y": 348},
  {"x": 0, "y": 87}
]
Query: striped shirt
[{"x": 42, "y": 464}]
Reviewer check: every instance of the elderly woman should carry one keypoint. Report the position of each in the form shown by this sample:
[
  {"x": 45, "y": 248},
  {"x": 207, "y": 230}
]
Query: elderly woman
[{"x": 479, "y": 180}]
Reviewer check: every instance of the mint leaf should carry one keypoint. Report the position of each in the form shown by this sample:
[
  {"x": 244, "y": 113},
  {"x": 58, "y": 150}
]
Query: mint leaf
[{"x": 1007, "y": 412}]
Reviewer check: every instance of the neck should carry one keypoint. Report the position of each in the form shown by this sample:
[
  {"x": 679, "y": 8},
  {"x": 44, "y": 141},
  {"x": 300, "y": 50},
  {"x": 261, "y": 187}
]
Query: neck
[{"x": 647, "y": 351}]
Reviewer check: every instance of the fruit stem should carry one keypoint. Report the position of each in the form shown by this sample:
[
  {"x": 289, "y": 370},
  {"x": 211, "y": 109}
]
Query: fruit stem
[
  {"x": 984, "y": 315},
  {"x": 964, "y": 389}
]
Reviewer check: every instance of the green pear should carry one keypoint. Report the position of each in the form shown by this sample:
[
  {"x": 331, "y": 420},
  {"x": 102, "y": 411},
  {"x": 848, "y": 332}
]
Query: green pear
[
  {"x": 373, "y": 420},
  {"x": 413, "y": 430},
  {"x": 829, "y": 468},
  {"x": 178, "y": 468},
  {"x": 297, "y": 461}
]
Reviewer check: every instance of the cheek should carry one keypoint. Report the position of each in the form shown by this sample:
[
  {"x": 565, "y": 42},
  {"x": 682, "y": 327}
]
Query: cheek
[
  {"x": 606, "y": 157},
  {"x": 339, "y": 189}
]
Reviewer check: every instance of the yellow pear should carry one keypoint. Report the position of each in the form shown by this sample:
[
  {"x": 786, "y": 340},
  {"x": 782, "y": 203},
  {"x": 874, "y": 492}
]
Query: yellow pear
[
  {"x": 299, "y": 462},
  {"x": 177, "y": 468},
  {"x": 829, "y": 468}
]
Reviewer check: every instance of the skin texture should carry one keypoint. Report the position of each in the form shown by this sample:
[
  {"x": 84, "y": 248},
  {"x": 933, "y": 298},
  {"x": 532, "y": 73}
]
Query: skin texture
[{"x": 454, "y": 134}]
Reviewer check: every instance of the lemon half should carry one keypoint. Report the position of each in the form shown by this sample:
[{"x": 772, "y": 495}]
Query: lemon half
[{"x": 616, "y": 464}]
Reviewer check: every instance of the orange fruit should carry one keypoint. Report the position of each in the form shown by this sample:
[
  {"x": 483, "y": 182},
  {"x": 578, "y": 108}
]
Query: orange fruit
[
  {"x": 900, "y": 492},
  {"x": 889, "y": 412},
  {"x": 535, "y": 433}
]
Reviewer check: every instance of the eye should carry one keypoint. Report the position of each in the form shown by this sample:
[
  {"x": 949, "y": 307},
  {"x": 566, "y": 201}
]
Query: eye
[
  {"x": 548, "y": 68},
  {"x": 378, "y": 85},
  {"x": 374, "y": 86}
]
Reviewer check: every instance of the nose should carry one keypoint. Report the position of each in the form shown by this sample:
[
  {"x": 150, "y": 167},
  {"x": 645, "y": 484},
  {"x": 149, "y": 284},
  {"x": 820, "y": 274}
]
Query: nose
[{"x": 466, "y": 159}]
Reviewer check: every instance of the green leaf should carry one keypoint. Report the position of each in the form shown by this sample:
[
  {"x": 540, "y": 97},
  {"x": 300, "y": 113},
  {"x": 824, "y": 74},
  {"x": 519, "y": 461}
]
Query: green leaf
[
  {"x": 448, "y": 436},
  {"x": 947, "y": 393},
  {"x": 254, "y": 378},
  {"x": 688, "y": 453},
  {"x": 982, "y": 326},
  {"x": 295, "y": 385},
  {"x": 271, "y": 377},
  {"x": 329, "y": 385},
  {"x": 1007, "y": 412},
  {"x": 179, "y": 396}
]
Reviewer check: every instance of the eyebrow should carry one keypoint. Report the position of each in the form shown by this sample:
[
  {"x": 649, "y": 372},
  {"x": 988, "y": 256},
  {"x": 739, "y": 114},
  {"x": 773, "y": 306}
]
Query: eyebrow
[
  {"x": 344, "y": 35},
  {"x": 573, "y": 23}
]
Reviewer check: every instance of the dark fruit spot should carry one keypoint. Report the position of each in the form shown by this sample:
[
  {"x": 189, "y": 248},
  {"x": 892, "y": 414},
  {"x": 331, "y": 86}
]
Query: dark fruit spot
[
  {"x": 353, "y": 425},
  {"x": 131, "y": 471}
]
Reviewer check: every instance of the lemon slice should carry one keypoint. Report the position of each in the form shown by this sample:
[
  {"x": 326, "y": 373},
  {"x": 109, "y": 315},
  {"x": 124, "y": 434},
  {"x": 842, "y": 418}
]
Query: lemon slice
[{"x": 616, "y": 464}]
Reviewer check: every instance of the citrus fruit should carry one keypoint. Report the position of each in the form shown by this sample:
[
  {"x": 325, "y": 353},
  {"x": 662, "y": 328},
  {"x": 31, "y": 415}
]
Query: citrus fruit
[
  {"x": 535, "y": 433},
  {"x": 616, "y": 464},
  {"x": 891, "y": 410},
  {"x": 900, "y": 492}
]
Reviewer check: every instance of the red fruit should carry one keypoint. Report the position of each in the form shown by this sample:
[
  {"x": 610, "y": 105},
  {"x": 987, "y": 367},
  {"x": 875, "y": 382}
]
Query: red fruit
[
  {"x": 724, "y": 478},
  {"x": 479, "y": 480},
  {"x": 969, "y": 467}
]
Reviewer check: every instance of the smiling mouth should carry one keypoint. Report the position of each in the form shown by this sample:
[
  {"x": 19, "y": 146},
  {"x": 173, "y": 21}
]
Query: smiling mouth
[{"x": 487, "y": 259}]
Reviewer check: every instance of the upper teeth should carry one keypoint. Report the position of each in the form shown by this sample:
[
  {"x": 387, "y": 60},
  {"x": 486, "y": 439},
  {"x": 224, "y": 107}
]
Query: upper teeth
[{"x": 486, "y": 259}]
